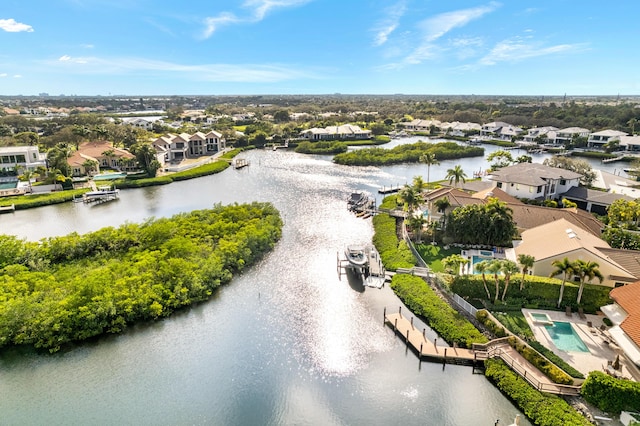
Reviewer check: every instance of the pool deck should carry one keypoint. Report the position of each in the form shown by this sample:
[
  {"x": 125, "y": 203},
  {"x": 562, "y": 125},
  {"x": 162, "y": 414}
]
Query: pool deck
[{"x": 601, "y": 347}]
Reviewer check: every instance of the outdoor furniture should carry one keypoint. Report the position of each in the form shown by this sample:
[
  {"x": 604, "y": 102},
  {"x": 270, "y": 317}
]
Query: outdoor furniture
[
  {"x": 581, "y": 314},
  {"x": 568, "y": 311}
]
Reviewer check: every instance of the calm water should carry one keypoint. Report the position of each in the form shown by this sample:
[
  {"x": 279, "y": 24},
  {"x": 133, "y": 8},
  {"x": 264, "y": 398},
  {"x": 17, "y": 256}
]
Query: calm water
[{"x": 288, "y": 342}]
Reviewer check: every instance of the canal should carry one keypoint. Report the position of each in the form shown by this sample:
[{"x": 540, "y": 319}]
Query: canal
[{"x": 287, "y": 342}]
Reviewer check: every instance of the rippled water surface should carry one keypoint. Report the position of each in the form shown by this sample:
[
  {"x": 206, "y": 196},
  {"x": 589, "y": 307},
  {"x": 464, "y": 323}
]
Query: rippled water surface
[{"x": 287, "y": 342}]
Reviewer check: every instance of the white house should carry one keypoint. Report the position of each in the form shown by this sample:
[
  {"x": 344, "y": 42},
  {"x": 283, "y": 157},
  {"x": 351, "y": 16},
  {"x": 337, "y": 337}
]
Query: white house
[
  {"x": 500, "y": 130},
  {"x": 418, "y": 125},
  {"x": 565, "y": 136},
  {"x": 345, "y": 131},
  {"x": 601, "y": 138},
  {"x": 534, "y": 180},
  {"x": 175, "y": 148},
  {"x": 624, "y": 313},
  {"x": 28, "y": 157},
  {"x": 629, "y": 143},
  {"x": 145, "y": 123},
  {"x": 542, "y": 134}
]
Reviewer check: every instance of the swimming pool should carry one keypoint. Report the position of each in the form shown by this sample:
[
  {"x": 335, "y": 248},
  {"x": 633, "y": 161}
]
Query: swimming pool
[
  {"x": 476, "y": 259},
  {"x": 565, "y": 337},
  {"x": 8, "y": 185},
  {"x": 110, "y": 176},
  {"x": 541, "y": 317}
]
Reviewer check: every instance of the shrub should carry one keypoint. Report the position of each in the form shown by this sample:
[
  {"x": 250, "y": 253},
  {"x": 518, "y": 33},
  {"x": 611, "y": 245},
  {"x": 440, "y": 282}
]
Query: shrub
[
  {"x": 22, "y": 202},
  {"x": 542, "y": 409},
  {"x": 393, "y": 252},
  {"x": 442, "y": 318},
  {"x": 486, "y": 320},
  {"x": 559, "y": 362},
  {"x": 547, "y": 368},
  {"x": 610, "y": 394}
]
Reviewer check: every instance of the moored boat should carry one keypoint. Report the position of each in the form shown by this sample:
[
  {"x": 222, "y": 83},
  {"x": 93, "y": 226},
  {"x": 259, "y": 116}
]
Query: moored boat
[{"x": 356, "y": 255}]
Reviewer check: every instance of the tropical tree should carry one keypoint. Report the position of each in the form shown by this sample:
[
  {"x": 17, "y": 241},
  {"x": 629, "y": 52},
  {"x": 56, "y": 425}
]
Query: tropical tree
[
  {"x": 441, "y": 205},
  {"x": 90, "y": 166},
  {"x": 430, "y": 160},
  {"x": 110, "y": 154},
  {"x": 632, "y": 123},
  {"x": 146, "y": 156},
  {"x": 418, "y": 184},
  {"x": 508, "y": 268},
  {"x": 494, "y": 267},
  {"x": 526, "y": 262},
  {"x": 453, "y": 263},
  {"x": 416, "y": 222},
  {"x": 586, "y": 271},
  {"x": 456, "y": 175},
  {"x": 482, "y": 267},
  {"x": 567, "y": 269},
  {"x": 410, "y": 198},
  {"x": 500, "y": 158}
]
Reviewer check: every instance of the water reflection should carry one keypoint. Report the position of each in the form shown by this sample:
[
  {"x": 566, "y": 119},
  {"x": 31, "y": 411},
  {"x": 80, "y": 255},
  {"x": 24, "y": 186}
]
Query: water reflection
[{"x": 288, "y": 342}]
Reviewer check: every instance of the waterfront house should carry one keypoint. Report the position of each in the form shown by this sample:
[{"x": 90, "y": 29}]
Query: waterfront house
[
  {"x": 567, "y": 135},
  {"x": 561, "y": 238},
  {"x": 603, "y": 137},
  {"x": 500, "y": 130},
  {"x": 103, "y": 154},
  {"x": 629, "y": 143},
  {"x": 145, "y": 123},
  {"x": 175, "y": 148},
  {"x": 615, "y": 183},
  {"x": 343, "y": 132},
  {"x": 27, "y": 157},
  {"x": 540, "y": 135},
  {"x": 418, "y": 125},
  {"x": 534, "y": 180},
  {"x": 456, "y": 128}
]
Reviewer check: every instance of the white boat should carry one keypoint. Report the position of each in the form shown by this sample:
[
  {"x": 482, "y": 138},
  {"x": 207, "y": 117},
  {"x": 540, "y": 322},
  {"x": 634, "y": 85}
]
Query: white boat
[{"x": 356, "y": 255}]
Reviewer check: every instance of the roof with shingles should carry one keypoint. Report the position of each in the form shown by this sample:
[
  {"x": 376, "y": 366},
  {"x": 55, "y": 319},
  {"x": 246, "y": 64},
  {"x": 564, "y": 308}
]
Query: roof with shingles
[
  {"x": 594, "y": 196},
  {"x": 527, "y": 216},
  {"x": 532, "y": 174},
  {"x": 628, "y": 259},
  {"x": 628, "y": 297}
]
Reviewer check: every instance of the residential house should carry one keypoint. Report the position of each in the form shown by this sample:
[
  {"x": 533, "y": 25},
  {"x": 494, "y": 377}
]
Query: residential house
[
  {"x": 624, "y": 313},
  {"x": 500, "y": 130},
  {"x": 592, "y": 200},
  {"x": 28, "y": 157},
  {"x": 145, "y": 123},
  {"x": 175, "y": 148},
  {"x": 456, "y": 128},
  {"x": 615, "y": 184},
  {"x": 534, "y": 180},
  {"x": 103, "y": 154},
  {"x": 566, "y": 136},
  {"x": 419, "y": 125},
  {"x": 561, "y": 238},
  {"x": 541, "y": 135},
  {"x": 629, "y": 143},
  {"x": 343, "y": 132},
  {"x": 603, "y": 137}
]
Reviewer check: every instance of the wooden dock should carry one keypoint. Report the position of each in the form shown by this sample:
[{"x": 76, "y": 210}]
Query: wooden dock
[
  {"x": 8, "y": 209},
  {"x": 239, "y": 163},
  {"x": 426, "y": 349},
  {"x": 389, "y": 190}
]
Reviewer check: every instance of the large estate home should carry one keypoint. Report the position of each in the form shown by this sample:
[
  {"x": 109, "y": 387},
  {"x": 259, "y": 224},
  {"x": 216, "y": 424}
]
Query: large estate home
[
  {"x": 28, "y": 157},
  {"x": 534, "y": 180},
  {"x": 545, "y": 134},
  {"x": 93, "y": 156},
  {"x": 500, "y": 130},
  {"x": 603, "y": 137},
  {"x": 561, "y": 238},
  {"x": 629, "y": 143},
  {"x": 343, "y": 132},
  {"x": 175, "y": 148},
  {"x": 624, "y": 313},
  {"x": 565, "y": 136}
]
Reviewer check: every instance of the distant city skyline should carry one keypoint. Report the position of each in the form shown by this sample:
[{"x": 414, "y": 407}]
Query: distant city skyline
[{"x": 140, "y": 47}]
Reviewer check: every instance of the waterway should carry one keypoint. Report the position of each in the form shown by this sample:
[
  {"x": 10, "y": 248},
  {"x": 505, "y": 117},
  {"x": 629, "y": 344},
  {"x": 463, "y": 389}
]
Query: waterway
[{"x": 287, "y": 342}]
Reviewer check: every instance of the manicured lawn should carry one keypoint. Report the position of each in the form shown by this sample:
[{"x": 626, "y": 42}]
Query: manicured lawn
[
  {"x": 515, "y": 322},
  {"x": 433, "y": 255}
]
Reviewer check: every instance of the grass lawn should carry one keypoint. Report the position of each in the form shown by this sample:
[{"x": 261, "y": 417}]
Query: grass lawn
[
  {"x": 515, "y": 322},
  {"x": 433, "y": 255}
]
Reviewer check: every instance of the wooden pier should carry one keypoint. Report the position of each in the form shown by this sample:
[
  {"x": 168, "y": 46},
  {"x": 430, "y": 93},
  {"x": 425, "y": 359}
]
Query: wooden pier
[
  {"x": 239, "y": 163},
  {"x": 8, "y": 209},
  {"x": 389, "y": 190},
  {"x": 427, "y": 349}
]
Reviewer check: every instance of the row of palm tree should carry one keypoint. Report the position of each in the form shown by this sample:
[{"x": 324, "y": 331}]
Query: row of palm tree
[{"x": 584, "y": 270}]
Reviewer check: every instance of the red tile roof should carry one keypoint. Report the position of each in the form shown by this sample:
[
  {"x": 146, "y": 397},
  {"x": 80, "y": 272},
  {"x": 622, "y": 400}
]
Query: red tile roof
[{"x": 628, "y": 297}]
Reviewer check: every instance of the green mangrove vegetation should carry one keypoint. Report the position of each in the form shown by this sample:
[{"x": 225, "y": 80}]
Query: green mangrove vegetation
[
  {"x": 323, "y": 147},
  {"x": 70, "y": 288},
  {"x": 408, "y": 153}
]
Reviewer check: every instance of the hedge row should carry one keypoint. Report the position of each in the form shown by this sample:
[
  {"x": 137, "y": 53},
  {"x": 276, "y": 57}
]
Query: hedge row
[
  {"x": 547, "y": 368},
  {"x": 559, "y": 362},
  {"x": 22, "y": 202},
  {"x": 610, "y": 394},
  {"x": 538, "y": 292},
  {"x": 393, "y": 252},
  {"x": 442, "y": 318},
  {"x": 542, "y": 409}
]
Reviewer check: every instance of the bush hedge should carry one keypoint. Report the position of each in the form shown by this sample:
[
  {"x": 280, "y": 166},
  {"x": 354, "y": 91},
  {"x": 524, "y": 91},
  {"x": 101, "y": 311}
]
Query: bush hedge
[
  {"x": 22, "y": 202},
  {"x": 538, "y": 292},
  {"x": 547, "y": 368},
  {"x": 321, "y": 147},
  {"x": 610, "y": 394},
  {"x": 542, "y": 409},
  {"x": 442, "y": 318},
  {"x": 559, "y": 362},
  {"x": 393, "y": 252}
]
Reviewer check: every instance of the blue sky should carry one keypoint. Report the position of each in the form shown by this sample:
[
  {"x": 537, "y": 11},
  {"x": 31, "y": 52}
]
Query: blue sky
[{"x": 197, "y": 47}]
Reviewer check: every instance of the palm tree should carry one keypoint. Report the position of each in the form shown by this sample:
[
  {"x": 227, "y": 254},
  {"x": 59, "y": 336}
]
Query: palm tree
[
  {"x": 495, "y": 268},
  {"x": 586, "y": 271},
  {"x": 566, "y": 268},
  {"x": 454, "y": 262},
  {"x": 632, "y": 123},
  {"x": 508, "y": 268},
  {"x": 410, "y": 198},
  {"x": 456, "y": 175},
  {"x": 110, "y": 154},
  {"x": 526, "y": 261},
  {"x": 482, "y": 267},
  {"x": 430, "y": 160},
  {"x": 418, "y": 184},
  {"x": 90, "y": 166},
  {"x": 441, "y": 205}
]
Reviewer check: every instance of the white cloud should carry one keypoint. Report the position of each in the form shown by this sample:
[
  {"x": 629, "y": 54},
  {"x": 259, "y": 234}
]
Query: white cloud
[
  {"x": 4, "y": 74},
  {"x": 11, "y": 26},
  {"x": 388, "y": 25},
  {"x": 257, "y": 11},
  {"x": 516, "y": 49},
  {"x": 87, "y": 46},
  {"x": 249, "y": 73},
  {"x": 17, "y": 76}
]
